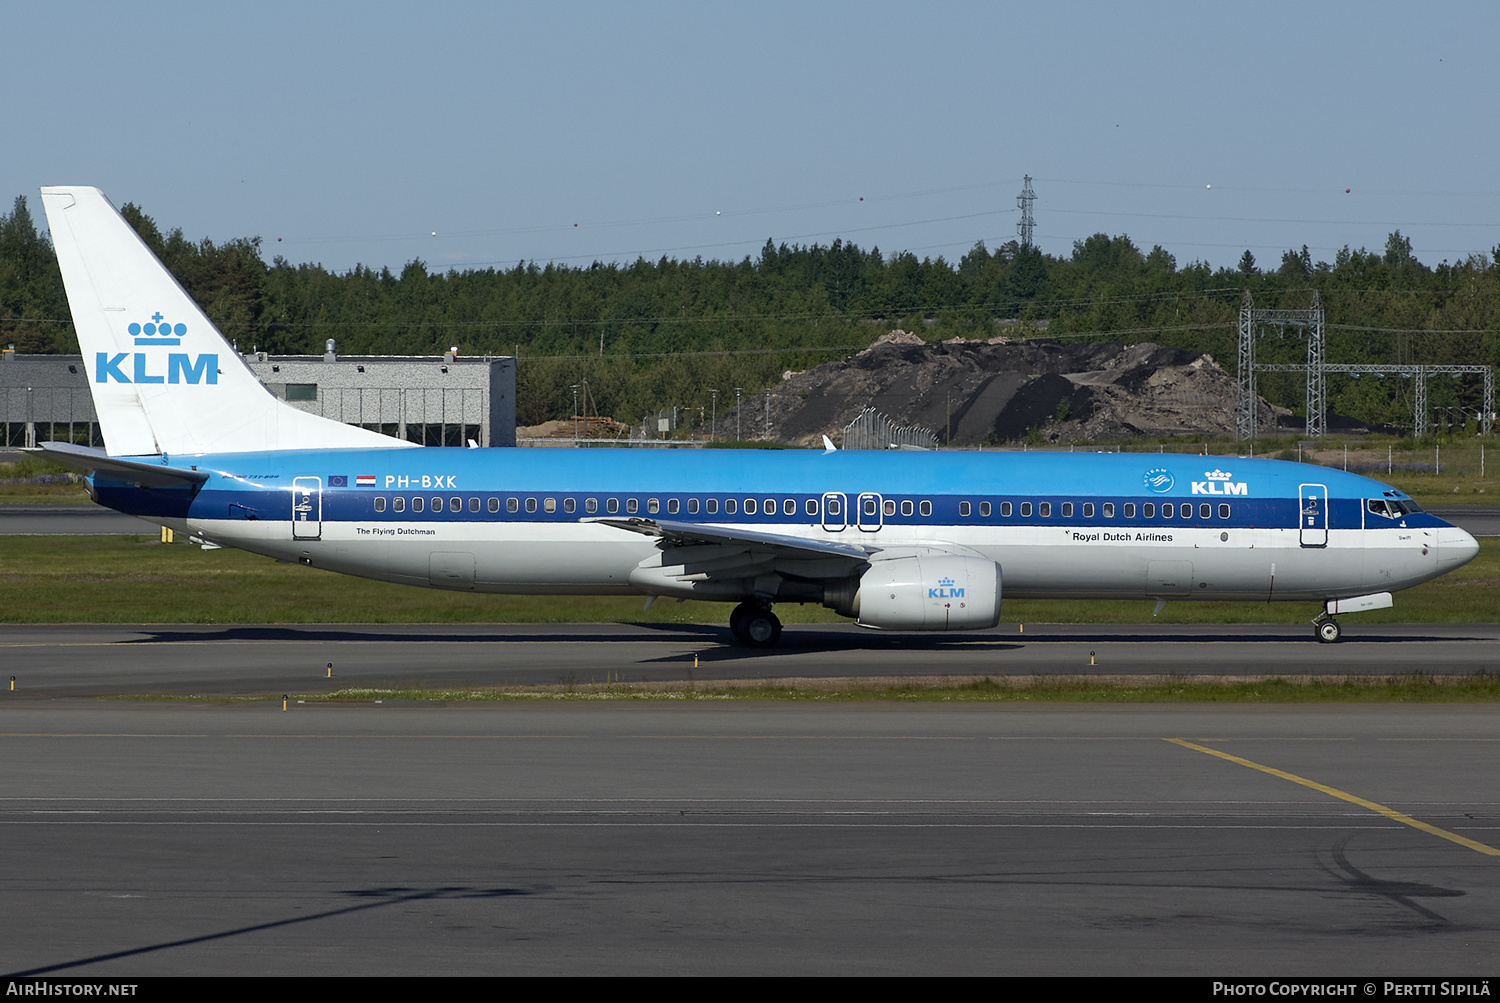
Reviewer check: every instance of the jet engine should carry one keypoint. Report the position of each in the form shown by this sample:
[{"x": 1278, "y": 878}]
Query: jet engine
[{"x": 939, "y": 592}]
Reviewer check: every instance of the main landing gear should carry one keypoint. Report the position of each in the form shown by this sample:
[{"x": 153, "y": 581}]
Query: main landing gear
[
  {"x": 755, "y": 625},
  {"x": 1326, "y": 628}
]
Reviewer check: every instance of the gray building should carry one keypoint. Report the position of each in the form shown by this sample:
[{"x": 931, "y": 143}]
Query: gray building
[{"x": 443, "y": 401}]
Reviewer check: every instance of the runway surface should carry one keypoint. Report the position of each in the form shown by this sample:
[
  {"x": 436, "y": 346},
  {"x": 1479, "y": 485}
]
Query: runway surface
[
  {"x": 51, "y": 661},
  {"x": 149, "y": 838}
]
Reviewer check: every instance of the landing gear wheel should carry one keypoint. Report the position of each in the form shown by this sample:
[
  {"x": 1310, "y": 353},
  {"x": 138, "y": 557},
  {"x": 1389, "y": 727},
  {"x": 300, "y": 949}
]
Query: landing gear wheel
[
  {"x": 1328, "y": 630},
  {"x": 759, "y": 628},
  {"x": 737, "y": 619}
]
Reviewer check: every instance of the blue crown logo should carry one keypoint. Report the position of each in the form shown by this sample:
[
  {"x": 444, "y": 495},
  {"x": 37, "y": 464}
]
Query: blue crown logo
[
  {"x": 945, "y": 583},
  {"x": 157, "y": 332}
]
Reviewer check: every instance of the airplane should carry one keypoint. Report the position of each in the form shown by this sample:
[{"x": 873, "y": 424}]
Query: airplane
[{"x": 895, "y": 540}]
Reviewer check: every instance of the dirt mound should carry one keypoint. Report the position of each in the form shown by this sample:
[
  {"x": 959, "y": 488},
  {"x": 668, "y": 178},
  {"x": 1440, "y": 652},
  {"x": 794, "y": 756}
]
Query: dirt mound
[{"x": 987, "y": 392}]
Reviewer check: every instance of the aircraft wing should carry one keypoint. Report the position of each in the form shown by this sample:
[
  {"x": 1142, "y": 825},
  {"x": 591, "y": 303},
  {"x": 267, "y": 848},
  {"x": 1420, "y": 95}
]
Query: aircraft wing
[
  {"x": 687, "y": 533},
  {"x": 712, "y": 562},
  {"x": 97, "y": 461}
]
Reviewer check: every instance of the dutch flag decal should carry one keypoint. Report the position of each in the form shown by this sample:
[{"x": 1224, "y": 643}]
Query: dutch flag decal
[{"x": 365, "y": 480}]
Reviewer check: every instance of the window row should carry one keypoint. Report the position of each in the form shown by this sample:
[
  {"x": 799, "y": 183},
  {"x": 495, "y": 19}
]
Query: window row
[
  {"x": 788, "y": 506},
  {"x": 1043, "y": 510}
]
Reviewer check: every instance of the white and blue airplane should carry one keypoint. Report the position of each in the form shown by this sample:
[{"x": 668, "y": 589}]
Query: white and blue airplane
[{"x": 910, "y": 541}]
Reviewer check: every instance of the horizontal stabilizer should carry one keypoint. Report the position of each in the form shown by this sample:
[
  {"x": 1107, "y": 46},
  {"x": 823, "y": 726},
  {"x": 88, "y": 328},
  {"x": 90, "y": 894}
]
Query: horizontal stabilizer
[{"x": 97, "y": 461}]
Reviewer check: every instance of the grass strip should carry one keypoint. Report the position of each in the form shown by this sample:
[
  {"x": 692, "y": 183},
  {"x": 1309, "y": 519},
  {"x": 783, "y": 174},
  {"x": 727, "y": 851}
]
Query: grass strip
[{"x": 64, "y": 579}]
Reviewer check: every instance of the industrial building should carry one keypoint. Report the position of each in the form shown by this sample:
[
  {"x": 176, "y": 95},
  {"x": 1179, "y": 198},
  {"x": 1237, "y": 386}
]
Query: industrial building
[{"x": 434, "y": 401}]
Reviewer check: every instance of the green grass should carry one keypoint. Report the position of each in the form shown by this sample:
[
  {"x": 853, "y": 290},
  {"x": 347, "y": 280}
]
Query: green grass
[{"x": 138, "y": 580}]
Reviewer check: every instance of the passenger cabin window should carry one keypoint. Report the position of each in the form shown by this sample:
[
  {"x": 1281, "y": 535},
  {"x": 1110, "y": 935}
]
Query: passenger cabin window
[
  {"x": 455, "y": 504},
  {"x": 612, "y": 505},
  {"x": 1005, "y": 510},
  {"x": 672, "y": 506},
  {"x": 1044, "y": 509},
  {"x": 437, "y": 504},
  {"x": 984, "y": 510},
  {"x": 890, "y": 507},
  {"x": 591, "y": 505},
  {"x": 531, "y": 504},
  {"x": 789, "y": 507},
  {"x": 494, "y": 505},
  {"x": 1130, "y": 510},
  {"x": 550, "y": 505},
  {"x": 925, "y": 508},
  {"x": 570, "y": 505},
  {"x": 730, "y": 506},
  {"x": 1205, "y": 510},
  {"x": 653, "y": 506},
  {"x": 1026, "y": 510},
  {"x": 811, "y": 506},
  {"x": 711, "y": 506},
  {"x": 474, "y": 504},
  {"x": 398, "y": 503},
  {"x": 692, "y": 506},
  {"x": 1088, "y": 510},
  {"x": 1167, "y": 511},
  {"x": 905, "y": 508},
  {"x": 379, "y": 503},
  {"x": 416, "y": 504},
  {"x": 1148, "y": 510},
  {"x": 1067, "y": 510},
  {"x": 632, "y": 505},
  {"x": 963, "y": 509},
  {"x": 750, "y": 506},
  {"x": 512, "y": 505},
  {"x": 1223, "y": 510}
]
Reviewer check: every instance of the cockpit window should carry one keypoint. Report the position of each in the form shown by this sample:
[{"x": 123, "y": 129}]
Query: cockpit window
[{"x": 1379, "y": 506}]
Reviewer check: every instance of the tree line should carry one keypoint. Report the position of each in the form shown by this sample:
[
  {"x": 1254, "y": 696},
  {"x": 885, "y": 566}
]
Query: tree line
[{"x": 648, "y": 335}]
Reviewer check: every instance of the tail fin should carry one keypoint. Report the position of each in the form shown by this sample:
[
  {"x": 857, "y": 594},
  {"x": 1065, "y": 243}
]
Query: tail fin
[{"x": 164, "y": 379}]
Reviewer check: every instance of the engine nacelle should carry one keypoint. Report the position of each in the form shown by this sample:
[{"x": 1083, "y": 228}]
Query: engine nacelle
[{"x": 947, "y": 592}]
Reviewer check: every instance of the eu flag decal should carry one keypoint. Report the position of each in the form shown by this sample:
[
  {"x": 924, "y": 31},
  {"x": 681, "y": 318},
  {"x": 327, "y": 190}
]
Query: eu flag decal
[{"x": 338, "y": 480}]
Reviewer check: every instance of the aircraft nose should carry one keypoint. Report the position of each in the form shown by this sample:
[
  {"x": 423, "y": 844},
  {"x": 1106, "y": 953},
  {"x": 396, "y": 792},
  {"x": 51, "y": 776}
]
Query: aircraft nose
[{"x": 1455, "y": 547}]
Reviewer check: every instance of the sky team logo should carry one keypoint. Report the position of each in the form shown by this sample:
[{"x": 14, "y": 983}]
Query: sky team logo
[
  {"x": 147, "y": 367},
  {"x": 157, "y": 332},
  {"x": 1159, "y": 480}
]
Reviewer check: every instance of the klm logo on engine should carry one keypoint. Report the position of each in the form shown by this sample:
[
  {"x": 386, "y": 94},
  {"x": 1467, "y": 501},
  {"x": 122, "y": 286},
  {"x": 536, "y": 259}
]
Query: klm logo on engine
[
  {"x": 1219, "y": 482},
  {"x": 945, "y": 590},
  {"x": 146, "y": 367}
]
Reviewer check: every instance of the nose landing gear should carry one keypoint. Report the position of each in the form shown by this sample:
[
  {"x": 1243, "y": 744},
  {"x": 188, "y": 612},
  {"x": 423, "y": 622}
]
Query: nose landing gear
[
  {"x": 1326, "y": 628},
  {"x": 755, "y": 625}
]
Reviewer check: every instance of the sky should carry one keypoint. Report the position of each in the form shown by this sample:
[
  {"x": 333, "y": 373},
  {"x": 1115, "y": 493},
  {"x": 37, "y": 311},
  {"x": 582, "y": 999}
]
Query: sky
[{"x": 474, "y": 135}]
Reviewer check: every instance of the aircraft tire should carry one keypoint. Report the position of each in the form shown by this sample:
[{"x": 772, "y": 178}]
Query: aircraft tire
[
  {"x": 759, "y": 628},
  {"x": 737, "y": 620},
  {"x": 1328, "y": 631}
]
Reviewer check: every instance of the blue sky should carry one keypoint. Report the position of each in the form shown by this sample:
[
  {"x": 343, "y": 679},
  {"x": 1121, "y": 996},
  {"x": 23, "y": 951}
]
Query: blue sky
[{"x": 569, "y": 132}]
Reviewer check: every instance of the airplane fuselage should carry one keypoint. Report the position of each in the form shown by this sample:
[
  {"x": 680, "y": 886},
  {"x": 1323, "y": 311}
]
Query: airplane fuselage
[{"x": 1082, "y": 525}]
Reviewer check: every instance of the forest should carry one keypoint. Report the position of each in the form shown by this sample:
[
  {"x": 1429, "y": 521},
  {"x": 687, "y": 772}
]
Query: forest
[{"x": 657, "y": 334}]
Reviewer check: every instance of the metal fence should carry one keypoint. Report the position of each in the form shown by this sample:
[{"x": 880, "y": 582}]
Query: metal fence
[{"x": 873, "y": 430}]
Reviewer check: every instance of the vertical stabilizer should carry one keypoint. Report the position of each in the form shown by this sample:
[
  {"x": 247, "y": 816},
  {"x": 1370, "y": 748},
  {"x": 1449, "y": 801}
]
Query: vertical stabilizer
[{"x": 164, "y": 379}]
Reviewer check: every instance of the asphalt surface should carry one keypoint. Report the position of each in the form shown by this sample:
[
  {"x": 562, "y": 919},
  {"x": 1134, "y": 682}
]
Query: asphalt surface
[
  {"x": 62, "y": 660},
  {"x": 210, "y": 839}
]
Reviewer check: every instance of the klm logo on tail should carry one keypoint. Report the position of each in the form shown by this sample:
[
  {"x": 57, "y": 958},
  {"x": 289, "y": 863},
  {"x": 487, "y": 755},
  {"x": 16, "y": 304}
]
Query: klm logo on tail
[{"x": 156, "y": 333}]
